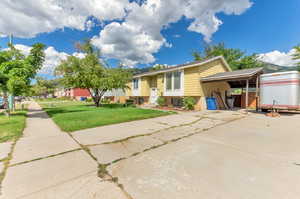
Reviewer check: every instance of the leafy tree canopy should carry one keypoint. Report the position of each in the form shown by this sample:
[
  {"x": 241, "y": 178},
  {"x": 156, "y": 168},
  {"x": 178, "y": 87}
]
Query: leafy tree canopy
[
  {"x": 296, "y": 56},
  {"x": 44, "y": 87},
  {"x": 236, "y": 58},
  {"x": 158, "y": 67},
  {"x": 16, "y": 70},
  {"x": 91, "y": 73}
]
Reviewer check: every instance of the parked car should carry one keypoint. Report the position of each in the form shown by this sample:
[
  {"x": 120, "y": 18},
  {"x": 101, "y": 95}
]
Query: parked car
[
  {"x": 1, "y": 103},
  {"x": 19, "y": 98}
]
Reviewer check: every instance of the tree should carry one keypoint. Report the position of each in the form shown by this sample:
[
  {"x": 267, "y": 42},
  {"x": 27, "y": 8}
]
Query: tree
[
  {"x": 44, "y": 87},
  {"x": 158, "y": 67},
  {"x": 236, "y": 58},
  {"x": 296, "y": 56},
  {"x": 16, "y": 70},
  {"x": 91, "y": 73},
  {"x": 197, "y": 56}
]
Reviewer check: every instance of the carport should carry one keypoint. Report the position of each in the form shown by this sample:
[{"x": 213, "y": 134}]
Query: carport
[{"x": 244, "y": 79}]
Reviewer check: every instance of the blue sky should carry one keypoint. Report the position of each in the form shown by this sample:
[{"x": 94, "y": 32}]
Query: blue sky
[{"x": 268, "y": 27}]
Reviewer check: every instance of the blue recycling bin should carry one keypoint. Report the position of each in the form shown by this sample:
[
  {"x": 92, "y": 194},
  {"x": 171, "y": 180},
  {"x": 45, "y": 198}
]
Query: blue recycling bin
[
  {"x": 211, "y": 103},
  {"x": 83, "y": 99}
]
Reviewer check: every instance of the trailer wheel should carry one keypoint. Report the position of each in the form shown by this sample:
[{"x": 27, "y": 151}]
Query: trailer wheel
[{"x": 264, "y": 110}]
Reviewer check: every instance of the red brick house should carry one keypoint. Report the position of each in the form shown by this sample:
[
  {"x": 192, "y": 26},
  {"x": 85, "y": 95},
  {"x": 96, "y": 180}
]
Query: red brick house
[{"x": 74, "y": 93}]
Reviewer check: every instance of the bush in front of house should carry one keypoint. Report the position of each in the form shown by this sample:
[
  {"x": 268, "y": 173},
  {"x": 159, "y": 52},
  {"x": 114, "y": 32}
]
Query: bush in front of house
[
  {"x": 189, "y": 103},
  {"x": 89, "y": 100},
  {"x": 105, "y": 101},
  {"x": 114, "y": 105},
  {"x": 63, "y": 98},
  {"x": 129, "y": 103},
  {"x": 161, "y": 101}
]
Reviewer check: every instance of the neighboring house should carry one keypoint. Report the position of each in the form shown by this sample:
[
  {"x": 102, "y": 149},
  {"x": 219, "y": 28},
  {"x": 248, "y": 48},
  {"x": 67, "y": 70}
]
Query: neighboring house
[
  {"x": 117, "y": 95},
  {"x": 177, "y": 82},
  {"x": 74, "y": 93},
  {"x": 60, "y": 92}
]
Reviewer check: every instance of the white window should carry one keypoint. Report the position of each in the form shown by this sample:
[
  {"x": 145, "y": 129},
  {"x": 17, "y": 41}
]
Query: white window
[
  {"x": 174, "y": 83},
  {"x": 169, "y": 81},
  {"x": 177, "y": 80},
  {"x": 135, "y": 84}
]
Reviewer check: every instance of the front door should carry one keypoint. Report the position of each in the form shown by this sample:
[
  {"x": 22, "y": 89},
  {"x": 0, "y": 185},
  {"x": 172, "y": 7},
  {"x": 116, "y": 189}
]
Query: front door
[{"x": 153, "y": 96}]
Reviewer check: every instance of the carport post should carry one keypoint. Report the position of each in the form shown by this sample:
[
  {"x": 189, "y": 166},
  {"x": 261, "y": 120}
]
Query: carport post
[
  {"x": 247, "y": 94},
  {"x": 256, "y": 94},
  {"x": 257, "y": 83}
]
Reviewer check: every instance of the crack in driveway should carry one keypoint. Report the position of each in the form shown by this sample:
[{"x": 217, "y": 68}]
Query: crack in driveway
[
  {"x": 103, "y": 172},
  {"x": 164, "y": 142}
]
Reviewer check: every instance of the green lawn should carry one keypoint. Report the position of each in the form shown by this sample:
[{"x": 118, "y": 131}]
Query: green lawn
[
  {"x": 12, "y": 127},
  {"x": 72, "y": 116}
]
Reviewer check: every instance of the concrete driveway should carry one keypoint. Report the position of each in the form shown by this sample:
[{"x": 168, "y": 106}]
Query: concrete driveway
[
  {"x": 255, "y": 157},
  {"x": 211, "y": 155}
]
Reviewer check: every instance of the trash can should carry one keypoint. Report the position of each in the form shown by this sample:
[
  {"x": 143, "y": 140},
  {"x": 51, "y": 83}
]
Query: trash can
[
  {"x": 211, "y": 103},
  {"x": 83, "y": 98},
  {"x": 230, "y": 102}
]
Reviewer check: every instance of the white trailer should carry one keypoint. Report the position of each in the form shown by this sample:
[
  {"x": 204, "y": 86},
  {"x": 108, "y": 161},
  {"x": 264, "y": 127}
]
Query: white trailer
[{"x": 280, "y": 91}]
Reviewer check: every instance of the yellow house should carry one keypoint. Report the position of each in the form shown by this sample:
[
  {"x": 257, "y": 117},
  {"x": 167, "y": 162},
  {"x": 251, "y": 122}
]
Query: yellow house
[{"x": 175, "y": 83}]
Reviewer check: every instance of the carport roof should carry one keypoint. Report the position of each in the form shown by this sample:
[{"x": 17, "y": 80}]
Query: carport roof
[{"x": 233, "y": 75}]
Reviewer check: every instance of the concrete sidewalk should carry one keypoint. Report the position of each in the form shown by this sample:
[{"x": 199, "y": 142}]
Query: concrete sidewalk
[
  {"x": 41, "y": 138},
  {"x": 47, "y": 163}
]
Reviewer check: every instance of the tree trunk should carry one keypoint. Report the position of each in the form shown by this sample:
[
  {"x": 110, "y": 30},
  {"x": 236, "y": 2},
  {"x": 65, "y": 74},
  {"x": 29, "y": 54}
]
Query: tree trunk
[
  {"x": 6, "y": 106},
  {"x": 94, "y": 97},
  {"x": 97, "y": 102},
  {"x": 97, "y": 96},
  {"x": 14, "y": 104}
]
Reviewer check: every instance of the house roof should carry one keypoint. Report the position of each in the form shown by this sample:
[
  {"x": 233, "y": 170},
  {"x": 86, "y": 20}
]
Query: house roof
[
  {"x": 233, "y": 75},
  {"x": 182, "y": 66}
]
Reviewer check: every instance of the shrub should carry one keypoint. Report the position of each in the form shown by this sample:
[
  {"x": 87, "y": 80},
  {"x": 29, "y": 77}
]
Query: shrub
[
  {"x": 89, "y": 100},
  {"x": 189, "y": 103},
  {"x": 112, "y": 105},
  {"x": 64, "y": 98},
  {"x": 105, "y": 101},
  {"x": 161, "y": 101},
  {"x": 129, "y": 103}
]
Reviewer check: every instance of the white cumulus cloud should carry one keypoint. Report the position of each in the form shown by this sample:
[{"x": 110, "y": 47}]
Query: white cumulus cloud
[
  {"x": 52, "y": 57},
  {"x": 25, "y": 50},
  {"x": 138, "y": 37},
  {"x": 133, "y": 28},
  {"x": 27, "y": 18},
  {"x": 279, "y": 58}
]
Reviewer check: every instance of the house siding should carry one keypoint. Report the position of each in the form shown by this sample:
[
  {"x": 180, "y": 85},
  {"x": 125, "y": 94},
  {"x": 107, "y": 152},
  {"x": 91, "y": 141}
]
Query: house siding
[
  {"x": 160, "y": 84},
  {"x": 128, "y": 90},
  {"x": 212, "y": 68},
  {"x": 79, "y": 92},
  {"x": 208, "y": 88},
  {"x": 145, "y": 86},
  {"x": 192, "y": 84}
]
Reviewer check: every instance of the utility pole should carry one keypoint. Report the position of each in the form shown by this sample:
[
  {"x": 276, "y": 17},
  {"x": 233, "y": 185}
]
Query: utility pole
[
  {"x": 10, "y": 39},
  {"x": 11, "y": 98}
]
